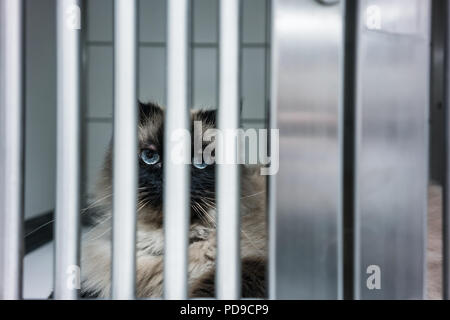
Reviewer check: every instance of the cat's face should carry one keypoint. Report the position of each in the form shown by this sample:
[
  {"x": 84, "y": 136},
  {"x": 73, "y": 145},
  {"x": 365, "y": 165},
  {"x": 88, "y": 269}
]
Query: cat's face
[{"x": 151, "y": 154}]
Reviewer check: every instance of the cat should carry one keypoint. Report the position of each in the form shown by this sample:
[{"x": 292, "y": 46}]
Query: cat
[{"x": 96, "y": 243}]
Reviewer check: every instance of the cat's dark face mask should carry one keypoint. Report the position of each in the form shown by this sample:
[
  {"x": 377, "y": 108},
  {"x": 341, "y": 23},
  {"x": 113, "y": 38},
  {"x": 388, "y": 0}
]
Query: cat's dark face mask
[{"x": 150, "y": 153}]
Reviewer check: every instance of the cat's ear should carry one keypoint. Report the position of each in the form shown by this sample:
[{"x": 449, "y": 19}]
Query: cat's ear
[
  {"x": 149, "y": 111},
  {"x": 207, "y": 116}
]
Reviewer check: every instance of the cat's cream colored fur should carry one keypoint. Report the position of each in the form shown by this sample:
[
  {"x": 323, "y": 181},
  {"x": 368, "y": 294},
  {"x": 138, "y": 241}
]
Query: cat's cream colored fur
[
  {"x": 434, "y": 252},
  {"x": 96, "y": 249}
]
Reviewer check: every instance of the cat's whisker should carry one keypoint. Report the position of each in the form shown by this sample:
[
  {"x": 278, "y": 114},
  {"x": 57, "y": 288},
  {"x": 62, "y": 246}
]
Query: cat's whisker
[
  {"x": 211, "y": 220},
  {"x": 101, "y": 235},
  {"x": 210, "y": 204},
  {"x": 82, "y": 212},
  {"x": 243, "y": 232},
  {"x": 93, "y": 204},
  {"x": 40, "y": 227},
  {"x": 253, "y": 195},
  {"x": 140, "y": 203},
  {"x": 93, "y": 228},
  {"x": 143, "y": 205},
  {"x": 251, "y": 242},
  {"x": 204, "y": 214},
  {"x": 207, "y": 200},
  {"x": 195, "y": 207}
]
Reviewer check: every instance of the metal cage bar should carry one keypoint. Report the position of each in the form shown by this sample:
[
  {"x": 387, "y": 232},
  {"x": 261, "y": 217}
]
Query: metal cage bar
[
  {"x": 124, "y": 150},
  {"x": 272, "y": 123},
  {"x": 391, "y": 147},
  {"x": 11, "y": 147},
  {"x": 305, "y": 213},
  {"x": 67, "y": 211},
  {"x": 228, "y": 284},
  {"x": 176, "y": 170}
]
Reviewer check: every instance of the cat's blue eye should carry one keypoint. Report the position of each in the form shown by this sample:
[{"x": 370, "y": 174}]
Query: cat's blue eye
[
  {"x": 149, "y": 157},
  {"x": 200, "y": 166}
]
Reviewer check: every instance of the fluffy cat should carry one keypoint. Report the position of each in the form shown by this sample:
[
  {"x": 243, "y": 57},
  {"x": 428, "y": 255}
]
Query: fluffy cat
[{"x": 96, "y": 243}]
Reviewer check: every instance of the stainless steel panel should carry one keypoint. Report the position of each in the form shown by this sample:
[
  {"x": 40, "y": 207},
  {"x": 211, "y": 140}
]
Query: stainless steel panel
[
  {"x": 305, "y": 196},
  {"x": 11, "y": 147},
  {"x": 67, "y": 211},
  {"x": 228, "y": 185},
  {"x": 176, "y": 173},
  {"x": 125, "y": 146},
  {"x": 392, "y": 100}
]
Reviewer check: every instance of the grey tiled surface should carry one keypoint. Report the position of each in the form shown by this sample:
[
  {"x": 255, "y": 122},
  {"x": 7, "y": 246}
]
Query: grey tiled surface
[
  {"x": 100, "y": 20},
  {"x": 40, "y": 107},
  {"x": 152, "y": 20},
  {"x": 204, "y": 21},
  {"x": 152, "y": 74},
  {"x": 99, "y": 81},
  {"x": 204, "y": 78},
  {"x": 254, "y": 21},
  {"x": 98, "y": 138},
  {"x": 253, "y": 83}
]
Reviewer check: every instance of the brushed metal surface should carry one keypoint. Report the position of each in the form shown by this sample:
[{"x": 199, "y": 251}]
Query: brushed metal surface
[
  {"x": 304, "y": 201},
  {"x": 392, "y": 100}
]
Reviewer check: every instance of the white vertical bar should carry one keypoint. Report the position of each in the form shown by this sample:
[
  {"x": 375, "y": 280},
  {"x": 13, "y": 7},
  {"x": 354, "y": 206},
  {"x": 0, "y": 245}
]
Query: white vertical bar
[
  {"x": 68, "y": 147},
  {"x": 125, "y": 148},
  {"x": 228, "y": 184},
  {"x": 272, "y": 189},
  {"x": 11, "y": 148},
  {"x": 176, "y": 175}
]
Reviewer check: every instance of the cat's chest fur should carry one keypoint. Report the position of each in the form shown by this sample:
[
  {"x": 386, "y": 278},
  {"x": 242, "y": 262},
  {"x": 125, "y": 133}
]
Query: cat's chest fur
[{"x": 96, "y": 259}]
